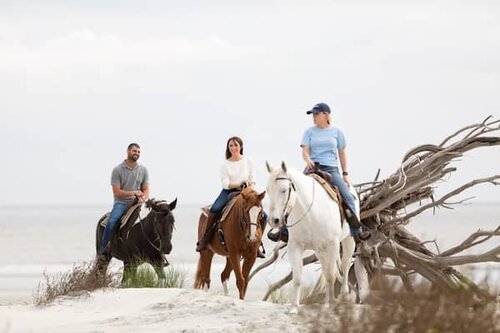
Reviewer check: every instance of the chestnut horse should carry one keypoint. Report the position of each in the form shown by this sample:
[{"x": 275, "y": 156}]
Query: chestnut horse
[{"x": 243, "y": 232}]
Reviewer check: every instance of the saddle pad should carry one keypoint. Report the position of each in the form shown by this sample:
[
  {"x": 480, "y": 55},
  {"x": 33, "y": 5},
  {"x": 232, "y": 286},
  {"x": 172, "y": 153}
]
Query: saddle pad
[
  {"x": 225, "y": 211},
  {"x": 332, "y": 191},
  {"x": 228, "y": 207},
  {"x": 125, "y": 218}
]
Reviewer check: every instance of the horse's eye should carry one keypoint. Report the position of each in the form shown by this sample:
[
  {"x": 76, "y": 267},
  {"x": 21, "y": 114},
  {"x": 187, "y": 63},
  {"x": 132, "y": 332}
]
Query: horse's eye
[{"x": 283, "y": 191}]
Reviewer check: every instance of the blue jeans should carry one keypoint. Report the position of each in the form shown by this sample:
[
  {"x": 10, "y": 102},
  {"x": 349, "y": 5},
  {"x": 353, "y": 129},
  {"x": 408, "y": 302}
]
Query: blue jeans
[
  {"x": 119, "y": 209},
  {"x": 338, "y": 181},
  {"x": 221, "y": 201}
]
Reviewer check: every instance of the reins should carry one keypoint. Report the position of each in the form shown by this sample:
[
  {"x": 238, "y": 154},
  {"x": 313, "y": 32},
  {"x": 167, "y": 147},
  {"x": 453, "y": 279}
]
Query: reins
[
  {"x": 155, "y": 231},
  {"x": 290, "y": 188}
]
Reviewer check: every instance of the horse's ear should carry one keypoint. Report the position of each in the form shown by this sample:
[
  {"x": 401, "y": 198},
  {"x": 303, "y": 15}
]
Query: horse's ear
[
  {"x": 269, "y": 169},
  {"x": 262, "y": 195},
  {"x": 172, "y": 204},
  {"x": 283, "y": 165}
]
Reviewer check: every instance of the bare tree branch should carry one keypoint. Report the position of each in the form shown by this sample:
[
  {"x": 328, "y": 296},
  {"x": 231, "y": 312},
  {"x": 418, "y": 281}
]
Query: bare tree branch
[{"x": 385, "y": 207}]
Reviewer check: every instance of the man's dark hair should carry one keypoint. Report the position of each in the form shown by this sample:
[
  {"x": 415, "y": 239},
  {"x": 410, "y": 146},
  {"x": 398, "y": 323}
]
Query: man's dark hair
[{"x": 133, "y": 145}]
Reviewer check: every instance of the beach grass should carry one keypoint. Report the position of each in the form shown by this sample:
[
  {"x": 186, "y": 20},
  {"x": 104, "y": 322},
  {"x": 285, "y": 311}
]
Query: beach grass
[
  {"x": 80, "y": 280},
  {"x": 145, "y": 277},
  {"x": 425, "y": 309}
]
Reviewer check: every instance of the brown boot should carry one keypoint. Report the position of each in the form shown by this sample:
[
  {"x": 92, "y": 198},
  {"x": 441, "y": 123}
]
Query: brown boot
[{"x": 209, "y": 232}]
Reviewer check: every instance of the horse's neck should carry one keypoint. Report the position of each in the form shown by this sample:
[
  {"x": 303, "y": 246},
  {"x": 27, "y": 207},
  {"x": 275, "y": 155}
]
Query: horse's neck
[
  {"x": 304, "y": 191},
  {"x": 309, "y": 194}
]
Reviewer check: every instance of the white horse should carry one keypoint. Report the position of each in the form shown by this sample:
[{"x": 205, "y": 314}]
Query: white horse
[{"x": 314, "y": 223}]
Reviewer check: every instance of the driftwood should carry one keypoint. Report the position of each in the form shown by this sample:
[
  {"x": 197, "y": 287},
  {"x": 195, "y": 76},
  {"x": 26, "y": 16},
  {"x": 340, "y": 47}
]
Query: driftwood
[{"x": 386, "y": 206}]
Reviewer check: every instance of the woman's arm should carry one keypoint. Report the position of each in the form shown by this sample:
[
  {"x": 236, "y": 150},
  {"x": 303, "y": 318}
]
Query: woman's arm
[
  {"x": 343, "y": 164},
  {"x": 306, "y": 157}
]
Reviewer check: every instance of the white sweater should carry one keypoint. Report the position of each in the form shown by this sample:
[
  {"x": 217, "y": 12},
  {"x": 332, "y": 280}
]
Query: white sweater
[{"x": 236, "y": 172}]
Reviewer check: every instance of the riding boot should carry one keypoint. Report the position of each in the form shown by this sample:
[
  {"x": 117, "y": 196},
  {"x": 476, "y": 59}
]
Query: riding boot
[
  {"x": 261, "y": 252},
  {"x": 352, "y": 218},
  {"x": 209, "y": 232},
  {"x": 281, "y": 235}
]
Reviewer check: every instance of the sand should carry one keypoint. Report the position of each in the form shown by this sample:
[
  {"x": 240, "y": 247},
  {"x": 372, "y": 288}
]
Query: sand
[{"x": 150, "y": 310}]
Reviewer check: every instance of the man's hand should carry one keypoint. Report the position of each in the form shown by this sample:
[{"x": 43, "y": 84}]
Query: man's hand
[
  {"x": 140, "y": 196},
  {"x": 346, "y": 179}
]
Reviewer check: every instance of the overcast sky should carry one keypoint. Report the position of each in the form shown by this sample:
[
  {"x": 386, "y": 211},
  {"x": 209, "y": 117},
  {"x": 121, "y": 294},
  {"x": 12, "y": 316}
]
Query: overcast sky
[{"x": 80, "y": 80}]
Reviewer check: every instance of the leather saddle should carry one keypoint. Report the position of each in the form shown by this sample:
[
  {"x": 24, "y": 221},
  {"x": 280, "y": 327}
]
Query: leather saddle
[
  {"x": 130, "y": 216},
  {"x": 324, "y": 179}
]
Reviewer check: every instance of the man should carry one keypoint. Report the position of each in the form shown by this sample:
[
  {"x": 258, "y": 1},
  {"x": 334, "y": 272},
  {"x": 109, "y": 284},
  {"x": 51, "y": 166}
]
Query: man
[{"x": 130, "y": 183}]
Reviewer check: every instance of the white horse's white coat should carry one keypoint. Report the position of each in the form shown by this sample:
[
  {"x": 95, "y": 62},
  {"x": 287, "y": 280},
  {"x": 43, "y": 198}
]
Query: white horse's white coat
[{"x": 314, "y": 223}]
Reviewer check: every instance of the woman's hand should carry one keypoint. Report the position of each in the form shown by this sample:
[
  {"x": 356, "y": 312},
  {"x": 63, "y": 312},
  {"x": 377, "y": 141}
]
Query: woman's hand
[{"x": 310, "y": 164}]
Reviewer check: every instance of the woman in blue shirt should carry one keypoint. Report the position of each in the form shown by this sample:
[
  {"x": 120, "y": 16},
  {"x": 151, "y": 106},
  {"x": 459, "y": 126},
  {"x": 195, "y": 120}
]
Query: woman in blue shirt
[{"x": 323, "y": 146}]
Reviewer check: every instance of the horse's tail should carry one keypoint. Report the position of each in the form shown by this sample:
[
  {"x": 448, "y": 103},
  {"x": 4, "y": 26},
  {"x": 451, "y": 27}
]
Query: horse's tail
[
  {"x": 202, "y": 277},
  {"x": 99, "y": 230}
]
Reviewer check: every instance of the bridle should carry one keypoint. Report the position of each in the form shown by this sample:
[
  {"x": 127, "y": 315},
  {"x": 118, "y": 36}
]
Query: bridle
[
  {"x": 249, "y": 223},
  {"x": 285, "y": 214},
  {"x": 155, "y": 230}
]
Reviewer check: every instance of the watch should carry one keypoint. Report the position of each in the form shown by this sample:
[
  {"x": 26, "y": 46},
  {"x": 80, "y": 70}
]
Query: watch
[{"x": 345, "y": 173}]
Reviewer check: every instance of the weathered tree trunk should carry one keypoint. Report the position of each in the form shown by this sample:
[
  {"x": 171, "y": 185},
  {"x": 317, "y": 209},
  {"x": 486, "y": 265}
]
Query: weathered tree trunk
[{"x": 386, "y": 206}]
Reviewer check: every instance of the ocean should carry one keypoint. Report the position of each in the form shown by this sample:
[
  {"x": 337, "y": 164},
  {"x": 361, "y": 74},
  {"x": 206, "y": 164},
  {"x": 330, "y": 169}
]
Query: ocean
[{"x": 52, "y": 239}]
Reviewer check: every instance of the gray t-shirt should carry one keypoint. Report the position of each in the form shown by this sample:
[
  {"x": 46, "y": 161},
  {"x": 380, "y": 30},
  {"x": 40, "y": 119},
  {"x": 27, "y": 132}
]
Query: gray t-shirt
[{"x": 129, "y": 179}]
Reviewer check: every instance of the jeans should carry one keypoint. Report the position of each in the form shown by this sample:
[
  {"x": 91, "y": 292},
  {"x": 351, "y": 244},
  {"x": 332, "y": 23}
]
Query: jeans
[
  {"x": 338, "y": 181},
  {"x": 119, "y": 209},
  {"x": 221, "y": 201}
]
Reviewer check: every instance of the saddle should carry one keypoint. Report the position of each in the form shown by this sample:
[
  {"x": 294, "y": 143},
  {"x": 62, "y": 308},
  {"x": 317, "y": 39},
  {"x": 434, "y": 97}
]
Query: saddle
[
  {"x": 324, "y": 179},
  {"x": 130, "y": 216},
  {"x": 218, "y": 223},
  {"x": 227, "y": 208}
]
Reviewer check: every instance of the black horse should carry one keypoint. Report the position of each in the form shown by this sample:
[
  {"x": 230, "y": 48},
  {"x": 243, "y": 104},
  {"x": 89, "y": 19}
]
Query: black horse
[{"x": 140, "y": 240}]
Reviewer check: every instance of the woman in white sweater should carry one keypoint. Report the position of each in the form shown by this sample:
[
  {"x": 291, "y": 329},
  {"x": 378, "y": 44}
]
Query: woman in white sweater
[{"x": 236, "y": 172}]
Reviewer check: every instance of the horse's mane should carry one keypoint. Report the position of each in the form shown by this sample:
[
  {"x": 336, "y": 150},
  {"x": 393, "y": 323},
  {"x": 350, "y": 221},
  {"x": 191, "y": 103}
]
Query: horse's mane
[{"x": 237, "y": 208}]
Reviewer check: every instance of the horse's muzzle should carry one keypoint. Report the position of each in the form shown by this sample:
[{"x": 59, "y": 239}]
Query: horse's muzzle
[
  {"x": 252, "y": 239},
  {"x": 167, "y": 249}
]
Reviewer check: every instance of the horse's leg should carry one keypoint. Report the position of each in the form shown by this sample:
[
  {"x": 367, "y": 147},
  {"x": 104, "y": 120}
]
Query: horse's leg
[
  {"x": 160, "y": 272},
  {"x": 328, "y": 259},
  {"x": 295, "y": 257},
  {"x": 101, "y": 265},
  {"x": 348, "y": 246},
  {"x": 129, "y": 269},
  {"x": 247, "y": 267},
  {"x": 361, "y": 278},
  {"x": 202, "y": 280},
  {"x": 234, "y": 259},
  {"x": 224, "y": 276}
]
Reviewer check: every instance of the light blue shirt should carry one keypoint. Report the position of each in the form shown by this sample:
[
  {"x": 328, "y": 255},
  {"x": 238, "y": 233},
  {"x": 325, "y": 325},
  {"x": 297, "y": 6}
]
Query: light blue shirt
[{"x": 324, "y": 144}]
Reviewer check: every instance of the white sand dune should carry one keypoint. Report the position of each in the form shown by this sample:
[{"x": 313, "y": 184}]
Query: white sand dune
[{"x": 150, "y": 310}]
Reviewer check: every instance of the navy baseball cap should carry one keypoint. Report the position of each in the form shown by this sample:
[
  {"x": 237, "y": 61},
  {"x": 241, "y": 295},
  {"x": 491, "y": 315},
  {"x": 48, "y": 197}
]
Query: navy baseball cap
[{"x": 320, "y": 107}]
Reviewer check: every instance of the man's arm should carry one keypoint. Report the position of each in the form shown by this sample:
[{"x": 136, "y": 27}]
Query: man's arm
[
  {"x": 119, "y": 193},
  {"x": 145, "y": 193}
]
